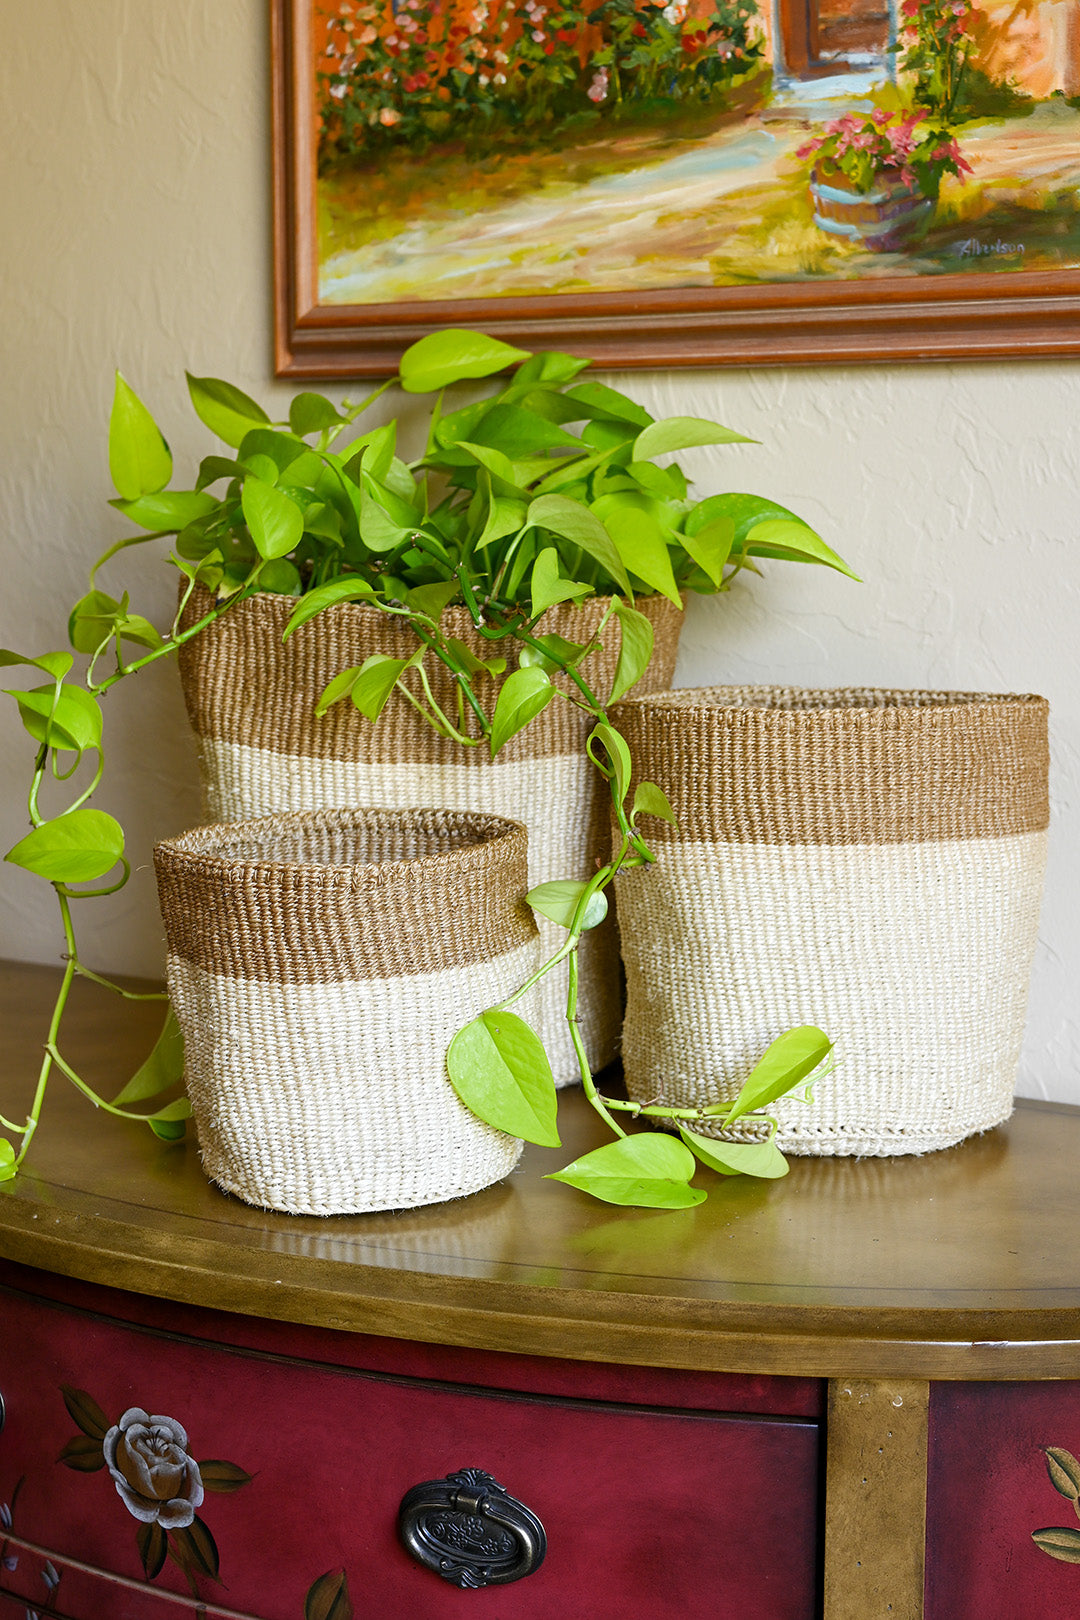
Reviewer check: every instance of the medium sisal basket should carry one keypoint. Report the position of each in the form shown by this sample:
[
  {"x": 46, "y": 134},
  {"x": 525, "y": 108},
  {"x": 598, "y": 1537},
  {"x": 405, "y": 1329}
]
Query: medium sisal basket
[
  {"x": 867, "y": 861},
  {"x": 251, "y": 700},
  {"x": 319, "y": 966}
]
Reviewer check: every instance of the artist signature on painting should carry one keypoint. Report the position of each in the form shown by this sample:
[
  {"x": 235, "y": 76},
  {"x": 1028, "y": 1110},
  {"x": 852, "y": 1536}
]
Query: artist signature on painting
[{"x": 972, "y": 248}]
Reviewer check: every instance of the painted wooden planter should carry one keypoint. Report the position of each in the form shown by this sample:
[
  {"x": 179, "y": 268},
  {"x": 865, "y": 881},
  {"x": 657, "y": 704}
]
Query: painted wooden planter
[{"x": 883, "y": 220}]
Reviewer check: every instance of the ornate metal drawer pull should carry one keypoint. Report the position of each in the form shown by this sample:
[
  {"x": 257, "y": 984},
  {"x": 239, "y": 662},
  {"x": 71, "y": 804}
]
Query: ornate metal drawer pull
[{"x": 470, "y": 1531}]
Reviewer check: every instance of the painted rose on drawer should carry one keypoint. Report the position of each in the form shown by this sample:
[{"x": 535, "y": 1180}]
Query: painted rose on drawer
[{"x": 156, "y": 1477}]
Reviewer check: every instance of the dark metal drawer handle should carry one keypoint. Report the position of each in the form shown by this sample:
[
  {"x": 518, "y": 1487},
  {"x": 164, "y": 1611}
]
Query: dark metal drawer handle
[{"x": 470, "y": 1531}]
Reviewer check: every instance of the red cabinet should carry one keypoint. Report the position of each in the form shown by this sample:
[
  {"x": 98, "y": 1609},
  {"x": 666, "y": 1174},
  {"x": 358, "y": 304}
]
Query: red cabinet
[
  {"x": 989, "y": 1491},
  {"x": 658, "y": 1511}
]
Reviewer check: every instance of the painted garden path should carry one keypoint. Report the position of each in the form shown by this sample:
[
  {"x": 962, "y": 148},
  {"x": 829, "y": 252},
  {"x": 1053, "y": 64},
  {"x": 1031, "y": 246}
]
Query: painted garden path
[{"x": 695, "y": 212}]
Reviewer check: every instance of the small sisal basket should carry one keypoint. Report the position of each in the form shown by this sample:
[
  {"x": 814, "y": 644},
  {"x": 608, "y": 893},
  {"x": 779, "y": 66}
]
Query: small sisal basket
[
  {"x": 867, "y": 861},
  {"x": 251, "y": 700},
  {"x": 319, "y": 966}
]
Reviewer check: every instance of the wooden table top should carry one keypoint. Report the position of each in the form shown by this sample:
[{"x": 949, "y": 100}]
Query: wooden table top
[{"x": 959, "y": 1264}]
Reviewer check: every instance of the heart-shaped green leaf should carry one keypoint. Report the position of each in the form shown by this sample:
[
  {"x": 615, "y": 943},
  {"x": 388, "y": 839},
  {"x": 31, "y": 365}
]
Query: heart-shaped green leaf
[
  {"x": 55, "y": 664},
  {"x": 635, "y": 649},
  {"x": 376, "y": 679},
  {"x": 451, "y": 356},
  {"x": 643, "y": 1172},
  {"x": 618, "y": 764},
  {"x": 642, "y": 545},
  {"x": 162, "y": 1069},
  {"x": 7, "y": 1160},
  {"x": 794, "y": 542},
  {"x": 345, "y": 589},
  {"x": 226, "y": 410},
  {"x": 761, "y": 1159},
  {"x": 546, "y": 586},
  {"x": 139, "y": 458},
  {"x": 523, "y": 695},
  {"x": 70, "y": 718},
  {"x": 167, "y": 510},
  {"x": 583, "y": 528},
  {"x": 711, "y": 546},
  {"x": 311, "y": 413},
  {"x": 650, "y": 800},
  {"x": 499, "y": 1069},
  {"x": 683, "y": 433},
  {"x": 80, "y": 845},
  {"x": 560, "y": 898},
  {"x": 788, "y": 1061},
  {"x": 275, "y": 522}
]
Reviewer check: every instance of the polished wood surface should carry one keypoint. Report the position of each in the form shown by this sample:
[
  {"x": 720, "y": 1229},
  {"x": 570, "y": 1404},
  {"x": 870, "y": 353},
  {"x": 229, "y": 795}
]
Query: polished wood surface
[{"x": 958, "y": 1265}]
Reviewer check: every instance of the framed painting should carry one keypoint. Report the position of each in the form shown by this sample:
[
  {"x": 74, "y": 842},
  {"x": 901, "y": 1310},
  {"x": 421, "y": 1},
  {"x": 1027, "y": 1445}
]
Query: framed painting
[{"x": 693, "y": 183}]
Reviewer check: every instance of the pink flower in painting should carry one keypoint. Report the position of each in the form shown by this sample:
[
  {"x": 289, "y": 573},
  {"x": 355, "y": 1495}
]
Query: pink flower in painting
[
  {"x": 389, "y": 117},
  {"x": 367, "y": 35},
  {"x": 598, "y": 89}
]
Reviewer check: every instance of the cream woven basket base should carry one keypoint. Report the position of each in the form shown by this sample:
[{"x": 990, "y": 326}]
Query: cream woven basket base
[
  {"x": 913, "y": 957},
  {"x": 549, "y": 794},
  {"x": 332, "y": 1098}
]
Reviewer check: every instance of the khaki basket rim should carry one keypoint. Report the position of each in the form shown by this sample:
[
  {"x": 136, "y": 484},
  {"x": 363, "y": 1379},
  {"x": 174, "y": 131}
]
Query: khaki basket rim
[
  {"x": 504, "y": 838},
  {"x": 901, "y": 703}
]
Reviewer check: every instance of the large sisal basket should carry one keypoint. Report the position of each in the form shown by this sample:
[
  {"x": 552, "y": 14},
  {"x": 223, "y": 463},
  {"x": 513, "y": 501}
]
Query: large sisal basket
[
  {"x": 263, "y": 749},
  {"x": 867, "y": 861},
  {"x": 319, "y": 966}
]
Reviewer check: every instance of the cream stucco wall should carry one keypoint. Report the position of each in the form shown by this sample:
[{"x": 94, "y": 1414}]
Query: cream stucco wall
[{"x": 135, "y": 199}]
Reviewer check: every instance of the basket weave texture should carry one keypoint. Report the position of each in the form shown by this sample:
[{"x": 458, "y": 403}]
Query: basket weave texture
[
  {"x": 319, "y": 966},
  {"x": 868, "y": 861},
  {"x": 251, "y": 700}
]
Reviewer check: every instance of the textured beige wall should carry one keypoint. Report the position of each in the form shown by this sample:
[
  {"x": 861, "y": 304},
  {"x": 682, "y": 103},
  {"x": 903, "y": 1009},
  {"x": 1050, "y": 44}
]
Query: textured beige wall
[{"x": 135, "y": 198}]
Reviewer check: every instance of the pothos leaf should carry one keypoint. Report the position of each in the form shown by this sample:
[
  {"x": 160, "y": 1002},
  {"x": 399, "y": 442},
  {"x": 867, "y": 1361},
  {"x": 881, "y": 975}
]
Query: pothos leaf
[
  {"x": 547, "y": 587},
  {"x": 7, "y": 1160},
  {"x": 650, "y": 800},
  {"x": 451, "y": 356},
  {"x": 762, "y": 1159},
  {"x": 635, "y": 649},
  {"x": 499, "y": 1069},
  {"x": 643, "y": 1172},
  {"x": 346, "y": 589},
  {"x": 74, "y": 848},
  {"x": 376, "y": 679},
  {"x": 559, "y": 901},
  {"x": 618, "y": 753},
  {"x": 786, "y": 1062},
  {"x": 139, "y": 459},
  {"x": 522, "y": 696},
  {"x": 162, "y": 1069}
]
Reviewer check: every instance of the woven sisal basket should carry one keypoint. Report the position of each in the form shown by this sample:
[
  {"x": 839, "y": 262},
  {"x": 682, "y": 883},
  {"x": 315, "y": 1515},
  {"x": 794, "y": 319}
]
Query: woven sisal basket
[
  {"x": 867, "y": 861},
  {"x": 319, "y": 966},
  {"x": 251, "y": 700}
]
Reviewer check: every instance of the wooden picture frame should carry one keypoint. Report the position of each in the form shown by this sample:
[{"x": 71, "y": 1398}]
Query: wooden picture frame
[{"x": 974, "y": 315}]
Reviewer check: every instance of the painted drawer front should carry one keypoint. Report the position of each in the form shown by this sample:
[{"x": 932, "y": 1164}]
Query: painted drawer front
[
  {"x": 989, "y": 1492},
  {"x": 650, "y": 1514}
]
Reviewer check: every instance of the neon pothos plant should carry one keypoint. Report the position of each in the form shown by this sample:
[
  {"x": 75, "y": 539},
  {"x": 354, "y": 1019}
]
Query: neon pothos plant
[{"x": 546, "y": 491}]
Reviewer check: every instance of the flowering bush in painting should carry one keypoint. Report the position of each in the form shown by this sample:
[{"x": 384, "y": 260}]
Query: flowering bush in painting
[
  {"x": 936, "y": 45},
  {"x": 409, "y": 72},
  {"x": 886, "y": 145}
]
